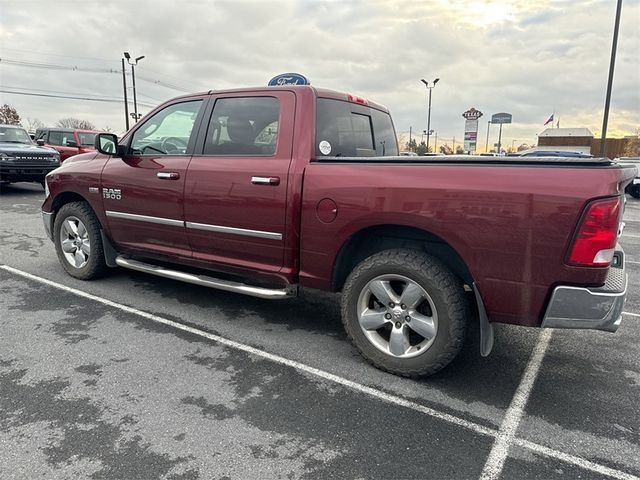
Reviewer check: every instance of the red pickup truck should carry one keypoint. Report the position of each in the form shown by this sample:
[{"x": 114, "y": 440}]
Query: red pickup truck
[{"x": 260, "y": 191}]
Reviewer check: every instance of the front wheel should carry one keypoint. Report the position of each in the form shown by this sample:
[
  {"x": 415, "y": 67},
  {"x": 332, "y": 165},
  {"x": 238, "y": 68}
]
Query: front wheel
[
  {"x": 78, "y": 242},
  {"x": 405, "y": 311}
]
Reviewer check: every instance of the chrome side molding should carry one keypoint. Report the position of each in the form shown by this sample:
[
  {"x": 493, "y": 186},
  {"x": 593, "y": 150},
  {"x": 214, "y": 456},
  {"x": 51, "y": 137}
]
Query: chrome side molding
[
  {"x": 206, "y": 281},
  {"x": 234, "y": 231},
  {"x": 144, "y": 218}
]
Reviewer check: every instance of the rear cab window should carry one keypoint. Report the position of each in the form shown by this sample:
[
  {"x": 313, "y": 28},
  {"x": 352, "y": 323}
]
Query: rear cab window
[{"x": 346, "y": 129}]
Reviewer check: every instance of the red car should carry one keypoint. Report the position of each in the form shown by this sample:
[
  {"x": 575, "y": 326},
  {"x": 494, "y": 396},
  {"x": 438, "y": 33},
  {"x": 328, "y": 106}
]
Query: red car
[
  {"x": 67, "y": 141},
  {"x": 260, "y": 191}
]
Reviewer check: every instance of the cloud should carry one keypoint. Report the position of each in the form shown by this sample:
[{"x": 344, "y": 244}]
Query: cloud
[{"x": 524, "y": 57}]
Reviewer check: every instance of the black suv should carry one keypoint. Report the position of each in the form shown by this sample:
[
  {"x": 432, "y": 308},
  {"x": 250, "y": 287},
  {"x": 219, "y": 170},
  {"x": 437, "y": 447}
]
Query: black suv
[{"x": 21, "y": 160}]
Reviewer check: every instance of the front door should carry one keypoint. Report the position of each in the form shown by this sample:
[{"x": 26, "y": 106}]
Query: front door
[
  {"x": 236, "y": 187},
  {"x": 143, "y": 191}
]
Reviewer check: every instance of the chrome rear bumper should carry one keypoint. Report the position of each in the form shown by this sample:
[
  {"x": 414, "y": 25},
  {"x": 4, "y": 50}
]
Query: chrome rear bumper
[{"x": 591, "y": 308}]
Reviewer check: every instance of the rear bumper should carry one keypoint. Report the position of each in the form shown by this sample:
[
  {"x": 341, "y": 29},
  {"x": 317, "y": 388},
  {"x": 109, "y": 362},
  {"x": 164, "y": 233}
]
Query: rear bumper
[{"x": 590, "y": 308}]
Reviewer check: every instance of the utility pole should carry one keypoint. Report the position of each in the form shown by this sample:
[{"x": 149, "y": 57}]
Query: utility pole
[
  {"x": 612, "y": 64},
  {"x": 126, "y": 105},
  {"x": 429, "y": 109}
]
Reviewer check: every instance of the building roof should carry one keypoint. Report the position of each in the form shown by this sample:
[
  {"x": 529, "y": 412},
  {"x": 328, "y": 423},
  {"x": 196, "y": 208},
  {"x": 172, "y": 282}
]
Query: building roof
[{"x": 566, "y": 132}]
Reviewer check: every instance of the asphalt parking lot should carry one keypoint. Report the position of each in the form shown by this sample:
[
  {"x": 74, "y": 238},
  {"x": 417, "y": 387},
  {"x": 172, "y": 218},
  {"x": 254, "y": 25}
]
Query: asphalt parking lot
[{"x": 135, "y": 376}]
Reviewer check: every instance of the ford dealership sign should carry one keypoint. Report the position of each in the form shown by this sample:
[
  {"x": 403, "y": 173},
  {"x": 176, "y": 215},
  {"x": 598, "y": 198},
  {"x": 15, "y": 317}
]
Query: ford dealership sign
[{"x": 288, "y": 79}]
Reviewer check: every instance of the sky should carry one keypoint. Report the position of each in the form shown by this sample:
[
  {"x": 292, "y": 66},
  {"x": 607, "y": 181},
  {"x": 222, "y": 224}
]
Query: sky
[{"x": 530, "y": 58}]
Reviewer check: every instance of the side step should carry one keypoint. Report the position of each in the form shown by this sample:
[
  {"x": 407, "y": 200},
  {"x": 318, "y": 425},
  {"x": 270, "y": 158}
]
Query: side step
[{"x": 205, "y": 281}]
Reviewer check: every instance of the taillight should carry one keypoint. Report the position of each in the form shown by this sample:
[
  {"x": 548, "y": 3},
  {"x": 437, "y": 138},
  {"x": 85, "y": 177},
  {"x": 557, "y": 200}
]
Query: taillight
[{"x": 595, "y": 241}]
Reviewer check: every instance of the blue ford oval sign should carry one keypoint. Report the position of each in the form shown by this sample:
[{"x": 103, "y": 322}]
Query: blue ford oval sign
[{"x": 288, "y": 79}]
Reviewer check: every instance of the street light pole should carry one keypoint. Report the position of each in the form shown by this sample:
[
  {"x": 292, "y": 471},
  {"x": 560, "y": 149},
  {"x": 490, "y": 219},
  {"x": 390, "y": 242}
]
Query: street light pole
[
  {"x": 486, "y": 147},
  {"x": 607, "y": 101},
  {"x": 429, "y": 110},
  {"x": 126, "y": 104},
  {"x": 133, "y": 63}
]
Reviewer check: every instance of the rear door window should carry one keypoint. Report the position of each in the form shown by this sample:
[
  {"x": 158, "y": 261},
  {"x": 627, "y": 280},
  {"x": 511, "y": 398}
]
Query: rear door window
[
  {"x": 243, "y": 126},
  {"x": 345, "y": 129}
]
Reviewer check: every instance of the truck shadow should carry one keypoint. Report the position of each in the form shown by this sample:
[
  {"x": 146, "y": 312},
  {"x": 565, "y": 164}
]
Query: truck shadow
[{"x": 470, "y": 377}]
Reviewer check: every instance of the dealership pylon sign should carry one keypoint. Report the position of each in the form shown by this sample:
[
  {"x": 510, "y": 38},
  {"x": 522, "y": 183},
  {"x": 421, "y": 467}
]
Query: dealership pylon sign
[{"x": 471, "y": 129}]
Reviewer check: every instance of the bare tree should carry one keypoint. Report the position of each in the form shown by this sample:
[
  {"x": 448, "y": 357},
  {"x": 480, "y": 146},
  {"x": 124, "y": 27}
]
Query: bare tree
[
  {"x": 71, "y": 122},
  {"x": 524, "y": 146},
  {"x": 107, "y": 129},
  {"x": 446, "y": 149},
  {"x": 459, "y": 150},
  {"x": 632, "y": 148},
  {"x": 9, "y": 115},
  {"x": 34, "y": 124}
]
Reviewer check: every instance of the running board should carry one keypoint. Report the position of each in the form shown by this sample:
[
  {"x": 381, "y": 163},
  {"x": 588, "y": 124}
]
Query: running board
[{"x": 205, "y": 281}]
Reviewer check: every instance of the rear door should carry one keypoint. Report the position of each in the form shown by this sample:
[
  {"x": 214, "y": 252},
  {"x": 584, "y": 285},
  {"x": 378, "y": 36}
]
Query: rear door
[
  {"x": 236, "y": 187},
  {"x": 143, "y": 191}
]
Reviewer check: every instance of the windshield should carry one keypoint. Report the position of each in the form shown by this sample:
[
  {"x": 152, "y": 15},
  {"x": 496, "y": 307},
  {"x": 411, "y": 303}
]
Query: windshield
[
  {"x": 87, "y": 139},
  {"x": 14, "y": 135}
]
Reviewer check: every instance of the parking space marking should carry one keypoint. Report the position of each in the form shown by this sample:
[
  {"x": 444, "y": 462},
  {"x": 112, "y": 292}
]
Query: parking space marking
[
  {"x": 509, "y": 427},
  {"x": 572, "y": 459},
  {"x": 381, "y": 395},
  {"x": 631, "y": 314}
]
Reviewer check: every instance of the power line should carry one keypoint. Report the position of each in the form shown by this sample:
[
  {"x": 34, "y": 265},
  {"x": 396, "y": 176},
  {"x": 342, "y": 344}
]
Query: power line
[
  {"x": 58, "y": 91},
  {"x": 95, "y": 59},
  {"x": 106, "y": 100},
  {"x": 74, "y": 68}
]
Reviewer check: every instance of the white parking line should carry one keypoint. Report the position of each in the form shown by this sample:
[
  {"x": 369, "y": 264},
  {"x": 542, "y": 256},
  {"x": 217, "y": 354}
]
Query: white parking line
[
  {"x": 500, "y": 450},
  {"x": 631, "y": 314},
  {"x": 375, "y": 393},
  {"x": 572, "y": 459}
]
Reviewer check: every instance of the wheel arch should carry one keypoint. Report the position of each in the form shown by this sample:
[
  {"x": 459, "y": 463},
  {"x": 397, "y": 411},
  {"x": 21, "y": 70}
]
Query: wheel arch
[
  {"x": 64, "y": 198},
  {"x": 373, "y": 239}
]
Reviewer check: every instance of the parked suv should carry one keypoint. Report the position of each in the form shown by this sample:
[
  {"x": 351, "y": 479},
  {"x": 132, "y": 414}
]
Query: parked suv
[
  {"x": 67, "y": 141},
  {"x": 21, "y": 160}
]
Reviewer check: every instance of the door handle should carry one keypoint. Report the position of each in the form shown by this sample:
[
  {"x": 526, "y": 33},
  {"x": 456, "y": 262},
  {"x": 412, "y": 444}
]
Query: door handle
[
  {"x": 265, "y": 180},
  {"x": 168, "y": 175}
]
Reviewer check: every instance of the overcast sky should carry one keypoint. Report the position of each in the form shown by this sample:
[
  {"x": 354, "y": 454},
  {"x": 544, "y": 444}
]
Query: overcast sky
[{"x": 527, "y": 57}]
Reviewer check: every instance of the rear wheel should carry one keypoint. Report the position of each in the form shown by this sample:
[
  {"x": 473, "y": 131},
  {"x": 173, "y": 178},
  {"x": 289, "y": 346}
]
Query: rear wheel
[
  {"x": 405, "y": 312},
  {"x": 635, "y": 191},
  {"x": 78, "y": 242}
]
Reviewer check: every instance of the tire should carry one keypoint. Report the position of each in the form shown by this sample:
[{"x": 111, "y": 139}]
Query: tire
[
  {"x": 413, "y": 340},
  {"x": 76, "y": 233},
  {"x": 635, "y": 191}
]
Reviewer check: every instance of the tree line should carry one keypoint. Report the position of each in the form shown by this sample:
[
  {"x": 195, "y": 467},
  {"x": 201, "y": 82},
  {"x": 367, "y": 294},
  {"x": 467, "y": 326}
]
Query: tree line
[{"x": 10, "y": 116}]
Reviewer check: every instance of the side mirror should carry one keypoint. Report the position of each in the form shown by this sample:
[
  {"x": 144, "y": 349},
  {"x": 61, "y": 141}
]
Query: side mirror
[
  {"x": 71, "y": 143},
  {"x": 40, "y": 142},
  {"x": 106, "y": 143}
]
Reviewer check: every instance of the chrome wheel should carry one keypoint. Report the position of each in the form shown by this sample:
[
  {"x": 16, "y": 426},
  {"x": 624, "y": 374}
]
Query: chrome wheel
[
  {"x": 397, "y": 316},
  {"x": 74, "y": 240}
]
